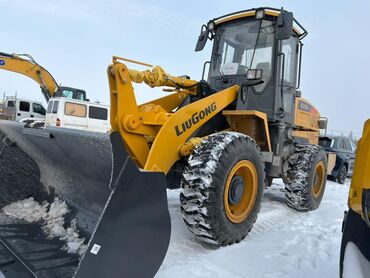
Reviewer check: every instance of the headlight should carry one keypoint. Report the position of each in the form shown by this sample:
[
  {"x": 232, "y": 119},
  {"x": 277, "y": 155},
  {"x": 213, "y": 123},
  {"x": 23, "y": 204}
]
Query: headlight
[
  {"x": 260, "y": 14},
  {"x": 211, "y": 25},
  {"x": 254, "y": 74}
]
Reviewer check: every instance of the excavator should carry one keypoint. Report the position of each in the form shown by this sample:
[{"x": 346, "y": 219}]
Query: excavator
[
  {"x": 26, "y": 65},
  {"x": 355, "y": 248},
  {"x": 220, "y": 140}
]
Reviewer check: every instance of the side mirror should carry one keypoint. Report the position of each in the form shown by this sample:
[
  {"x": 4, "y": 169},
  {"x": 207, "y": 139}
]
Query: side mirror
[
  {"x": 284, "y": 25},
  {"x": 202, "y": 40}
]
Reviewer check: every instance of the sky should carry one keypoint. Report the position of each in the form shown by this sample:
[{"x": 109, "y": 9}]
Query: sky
[{"x": 75, "y": 41}]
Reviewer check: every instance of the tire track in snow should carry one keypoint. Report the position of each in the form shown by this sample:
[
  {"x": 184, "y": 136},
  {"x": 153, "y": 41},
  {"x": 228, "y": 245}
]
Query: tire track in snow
[{"x": 272, "y": 220}]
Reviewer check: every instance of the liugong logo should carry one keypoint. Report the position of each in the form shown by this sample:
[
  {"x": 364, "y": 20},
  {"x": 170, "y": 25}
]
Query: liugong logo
[{"x": 195, "y": 118}]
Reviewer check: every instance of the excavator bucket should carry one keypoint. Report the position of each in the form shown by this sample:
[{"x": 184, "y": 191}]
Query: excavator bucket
[{"x": 119, "y": 211}]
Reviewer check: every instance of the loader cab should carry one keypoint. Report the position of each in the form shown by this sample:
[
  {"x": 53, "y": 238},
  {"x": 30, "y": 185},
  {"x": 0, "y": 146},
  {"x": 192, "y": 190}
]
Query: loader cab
[{"x": 259, "y": 50}]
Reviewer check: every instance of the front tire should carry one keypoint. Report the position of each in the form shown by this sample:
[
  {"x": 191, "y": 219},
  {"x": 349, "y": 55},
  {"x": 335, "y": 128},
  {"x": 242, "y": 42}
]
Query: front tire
[
  {"x": 222, "y": 188},
  {"x": 306, "y": 178}
]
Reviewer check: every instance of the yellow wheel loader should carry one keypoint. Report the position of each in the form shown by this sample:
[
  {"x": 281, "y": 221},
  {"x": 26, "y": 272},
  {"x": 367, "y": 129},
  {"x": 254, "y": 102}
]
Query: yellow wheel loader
[
  {"x": 26, "y": 65},
  {"x": 221, "y": 140},
  {"x": 355, "y": 248}
]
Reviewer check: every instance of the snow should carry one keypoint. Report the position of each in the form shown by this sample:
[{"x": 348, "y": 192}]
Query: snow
[
  {"x": 355, "y": 265},
  {"x": 51, "y": 217},
  {"x": 282, "y": 243}
]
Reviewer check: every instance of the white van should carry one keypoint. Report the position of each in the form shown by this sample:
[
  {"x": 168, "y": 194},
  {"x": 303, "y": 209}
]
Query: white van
[
  {"x": 16, "y": 109},
  {"x": 76, "y": 114}
]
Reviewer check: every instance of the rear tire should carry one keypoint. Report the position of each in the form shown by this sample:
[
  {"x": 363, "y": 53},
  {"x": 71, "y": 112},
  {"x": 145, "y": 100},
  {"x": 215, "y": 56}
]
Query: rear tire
[
  {"x": 306, "y": 178},
  {"x": 342, "y": 176},
  {"x": 222, "y": 188}
]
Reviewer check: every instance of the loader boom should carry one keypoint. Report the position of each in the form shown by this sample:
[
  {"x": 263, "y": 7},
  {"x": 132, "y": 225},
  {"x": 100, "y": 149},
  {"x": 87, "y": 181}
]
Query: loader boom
[{"x": 153, "y": 132}]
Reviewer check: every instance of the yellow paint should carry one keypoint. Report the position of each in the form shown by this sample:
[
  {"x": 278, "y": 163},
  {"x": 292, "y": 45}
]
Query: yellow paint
[
  {"x": 236, "y": 16},
  {"x": 252, "y": 123},
  {"x": 164, "y": 151},
  {"x": 319, "y": 180},
  {"x": 361, "y": 172},
  {"x": 32, "y": 70},
  {"x": 311, "y": 136},
  {"x": 237, "y": 213},
  {"x": 306, "y": 120},
  {"x": 187, "y": 148}
]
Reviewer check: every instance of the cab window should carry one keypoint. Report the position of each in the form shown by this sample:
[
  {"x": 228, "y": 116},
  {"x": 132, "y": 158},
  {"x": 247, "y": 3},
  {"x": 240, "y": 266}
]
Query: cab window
[
  {"x": 75, "y": 109},
  {"x": 24, "y": 106},
  {"x": 50, "y": 106},
  {"x": 10, "y": 103},
  {"x": 37, "y": 108},
  {"x": 55, "y": 107},
  {"x": 289, "y": 48},
  {"x": 67, "y": 94},
  {"x": 98, "y": 113}
]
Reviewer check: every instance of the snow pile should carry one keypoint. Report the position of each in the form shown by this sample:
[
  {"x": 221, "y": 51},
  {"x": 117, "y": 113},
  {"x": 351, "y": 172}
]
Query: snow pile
[
  {"x": 53, "y": 221},
  {"x": 28, "y": 210}
]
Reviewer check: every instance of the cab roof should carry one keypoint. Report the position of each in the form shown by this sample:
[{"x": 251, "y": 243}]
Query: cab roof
[{"x": 297, "y": 27}]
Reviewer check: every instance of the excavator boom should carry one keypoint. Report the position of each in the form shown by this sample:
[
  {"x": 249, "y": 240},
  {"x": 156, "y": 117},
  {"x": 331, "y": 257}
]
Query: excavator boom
[{"x": 26, "y": 65}]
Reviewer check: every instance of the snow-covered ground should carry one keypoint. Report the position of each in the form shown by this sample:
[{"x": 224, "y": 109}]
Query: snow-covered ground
[{"x": 282, "y": 243}]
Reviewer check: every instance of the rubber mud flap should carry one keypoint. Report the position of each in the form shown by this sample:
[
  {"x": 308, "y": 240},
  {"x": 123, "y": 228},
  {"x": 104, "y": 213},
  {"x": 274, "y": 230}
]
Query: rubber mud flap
[
  {"x": 133, "y": 234},
  {"x": 121, "y": 211}
]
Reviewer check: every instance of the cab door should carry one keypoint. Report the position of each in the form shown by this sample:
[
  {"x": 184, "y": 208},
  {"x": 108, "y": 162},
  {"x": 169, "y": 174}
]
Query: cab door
[{"x": 288, "y": 77}]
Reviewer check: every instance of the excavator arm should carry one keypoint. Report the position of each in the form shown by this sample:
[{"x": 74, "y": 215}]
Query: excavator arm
[{"x": 25, "y": 64}]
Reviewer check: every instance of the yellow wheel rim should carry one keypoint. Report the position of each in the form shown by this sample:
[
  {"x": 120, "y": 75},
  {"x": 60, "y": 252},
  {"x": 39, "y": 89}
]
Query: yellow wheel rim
[
  {"x": 238, "y": 208},
  {"x": 318, "y": 180}
]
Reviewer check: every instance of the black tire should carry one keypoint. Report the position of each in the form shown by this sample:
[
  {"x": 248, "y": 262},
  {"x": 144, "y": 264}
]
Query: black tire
[
  {"x": 302, "y": 193},
  {"x": 204, "y": 183},
  {"x": 342, "y": 175}
]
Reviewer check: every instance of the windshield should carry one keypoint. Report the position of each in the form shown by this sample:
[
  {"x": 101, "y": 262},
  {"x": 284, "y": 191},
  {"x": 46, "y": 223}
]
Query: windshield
[{"x": 241, "y": 46}]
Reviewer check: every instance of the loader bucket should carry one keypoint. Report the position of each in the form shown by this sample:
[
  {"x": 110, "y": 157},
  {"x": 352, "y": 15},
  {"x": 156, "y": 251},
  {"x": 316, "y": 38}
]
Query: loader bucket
[{"x": 120, "y": 210}]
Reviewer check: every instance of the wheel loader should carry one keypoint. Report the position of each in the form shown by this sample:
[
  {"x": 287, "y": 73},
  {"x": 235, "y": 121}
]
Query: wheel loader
[
  {"x": 355, "y": 248},
  {"x": 221, "y": 140}
]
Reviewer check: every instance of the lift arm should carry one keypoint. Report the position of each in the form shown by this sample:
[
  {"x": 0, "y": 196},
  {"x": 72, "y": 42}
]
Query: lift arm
[{"x": 155, "y": 131}]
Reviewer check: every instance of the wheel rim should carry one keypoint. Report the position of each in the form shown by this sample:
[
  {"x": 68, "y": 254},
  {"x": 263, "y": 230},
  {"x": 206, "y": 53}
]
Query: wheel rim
[
  {"x": 240, "y": 191},
  {"x": 319, "y": 178}
]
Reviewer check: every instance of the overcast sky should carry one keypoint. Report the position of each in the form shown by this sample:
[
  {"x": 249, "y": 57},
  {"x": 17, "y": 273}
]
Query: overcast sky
[{"x": 75, "y": 41}]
